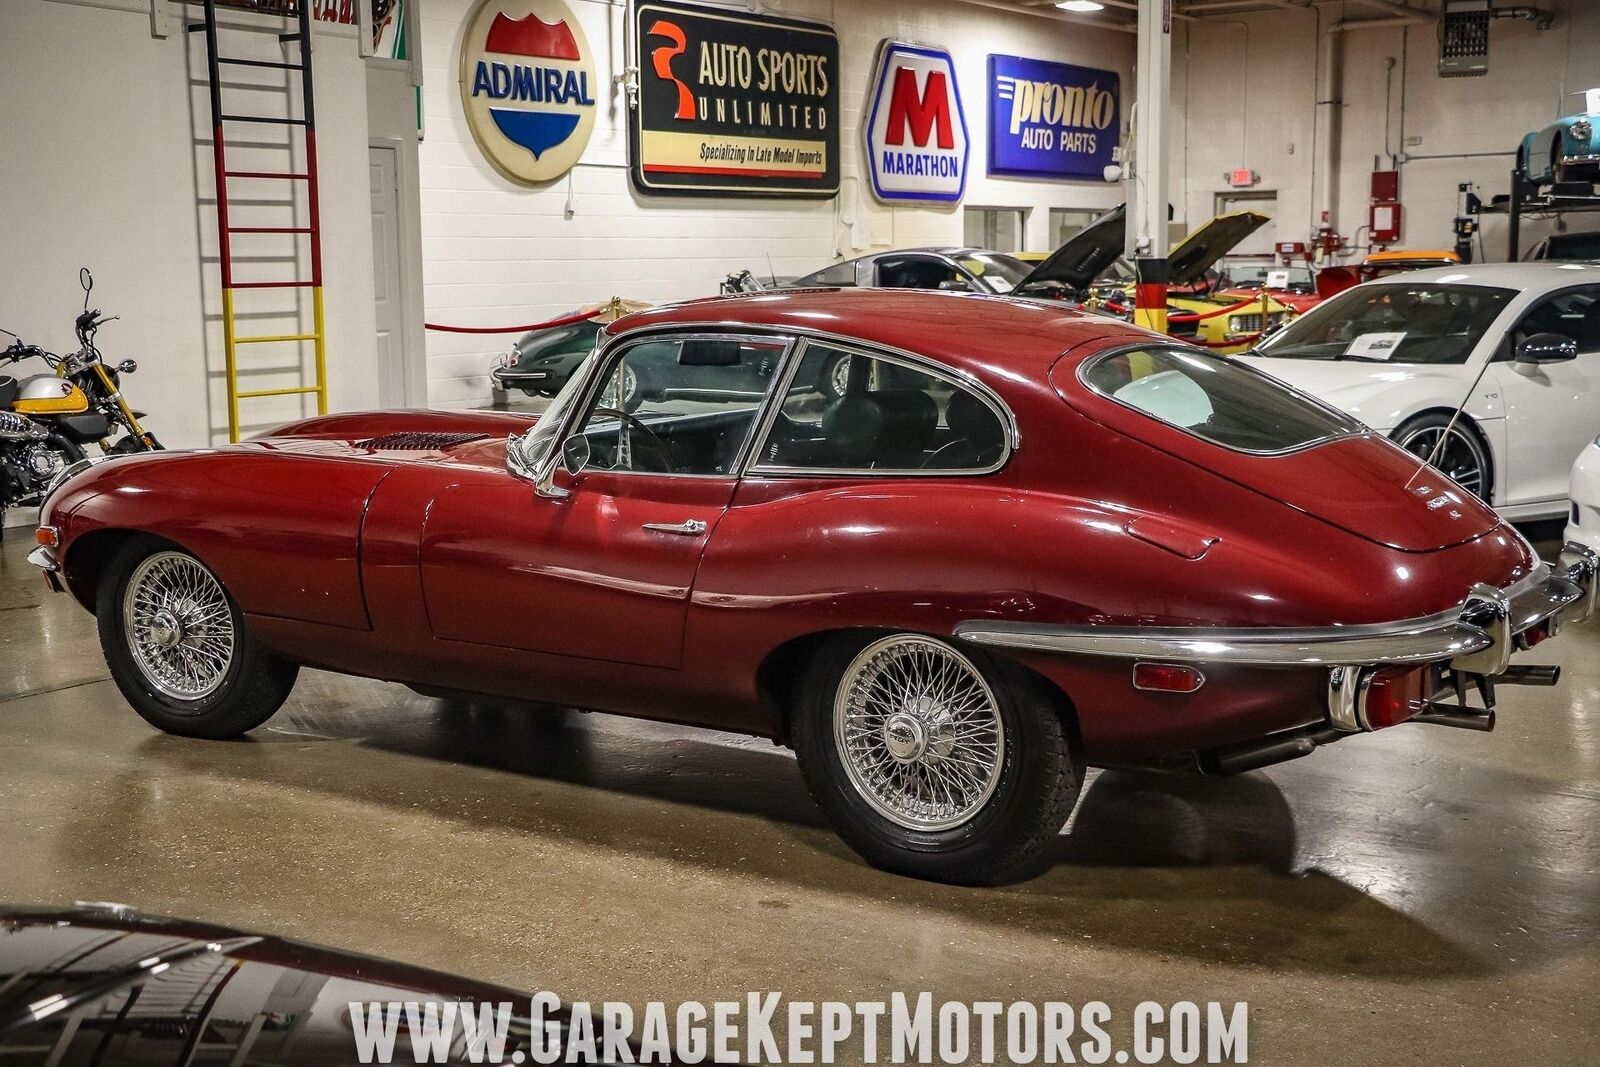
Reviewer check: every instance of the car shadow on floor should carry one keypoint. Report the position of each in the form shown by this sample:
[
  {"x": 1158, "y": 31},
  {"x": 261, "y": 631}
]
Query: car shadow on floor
[{"x": 1169, "y": 865}]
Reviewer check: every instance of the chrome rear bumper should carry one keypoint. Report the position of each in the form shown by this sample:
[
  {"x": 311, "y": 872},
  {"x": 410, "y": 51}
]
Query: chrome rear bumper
[{"x": 1477, "y": 637}]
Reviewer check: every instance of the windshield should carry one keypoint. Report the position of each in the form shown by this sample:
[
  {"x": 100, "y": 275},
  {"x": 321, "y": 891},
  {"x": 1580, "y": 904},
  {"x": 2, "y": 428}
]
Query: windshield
[
  {"x": 1256, "y": 275},
  {"x": 999, "y": 273},
  {"x": 1420, "y": 322},
  {"x": 536, "y": 442}
]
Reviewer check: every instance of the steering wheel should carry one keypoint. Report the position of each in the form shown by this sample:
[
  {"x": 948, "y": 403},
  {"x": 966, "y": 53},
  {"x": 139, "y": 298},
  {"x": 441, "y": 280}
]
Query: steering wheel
[{"x": 661, "y": 448}]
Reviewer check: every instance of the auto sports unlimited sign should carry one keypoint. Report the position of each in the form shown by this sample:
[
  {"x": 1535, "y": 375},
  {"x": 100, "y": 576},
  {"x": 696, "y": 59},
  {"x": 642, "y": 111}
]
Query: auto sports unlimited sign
[
  {"x": 733, "y": 103},
  {"x": 528, "y": 85},
  {"x": 916, "y": 129},
  {"x": 1051, "y": 120}
]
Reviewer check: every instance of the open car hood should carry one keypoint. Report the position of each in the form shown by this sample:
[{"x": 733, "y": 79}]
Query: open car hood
[
  {"x": 1086, "y": 256},
  {"x": 1093, "y": 249},
  {"x": 1197, "y": 253}
]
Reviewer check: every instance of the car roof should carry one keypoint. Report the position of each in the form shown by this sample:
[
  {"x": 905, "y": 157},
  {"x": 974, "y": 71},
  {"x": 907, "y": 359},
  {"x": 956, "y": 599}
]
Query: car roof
[
  {"x": 1542, "y": 274},
  {"x": 967, "y": 331}
]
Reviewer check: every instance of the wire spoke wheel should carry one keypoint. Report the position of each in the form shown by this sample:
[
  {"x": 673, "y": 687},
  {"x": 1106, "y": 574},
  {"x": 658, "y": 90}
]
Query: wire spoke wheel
[
  {"x": 919, "y": 732},
  {"x": 179, "y": 626},
  {"x": 1453, "y": 450}
]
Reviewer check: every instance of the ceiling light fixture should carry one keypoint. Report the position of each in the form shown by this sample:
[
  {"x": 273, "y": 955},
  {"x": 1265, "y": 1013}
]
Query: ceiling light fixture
[{"x": 1081, "y": 6}]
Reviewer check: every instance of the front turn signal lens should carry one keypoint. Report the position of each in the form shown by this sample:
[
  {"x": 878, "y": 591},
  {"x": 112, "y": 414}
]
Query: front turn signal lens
[
  {"x": 47, "y": 536},
  {"x": 1166, "y": 678}
]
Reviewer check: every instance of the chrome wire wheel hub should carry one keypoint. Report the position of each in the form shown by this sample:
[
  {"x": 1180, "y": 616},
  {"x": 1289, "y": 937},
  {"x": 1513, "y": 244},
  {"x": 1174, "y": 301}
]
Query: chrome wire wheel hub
[
  {"x": 178, "y": 626},
  {"x": 919, "y": 732},
  {"x": 1460, "y": 456}
]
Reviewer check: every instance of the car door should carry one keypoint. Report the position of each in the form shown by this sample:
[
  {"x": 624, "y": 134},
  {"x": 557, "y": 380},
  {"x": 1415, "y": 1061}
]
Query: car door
[
  {"x": 605, "y": 571},
  {"x": 1552, "y": 409}
]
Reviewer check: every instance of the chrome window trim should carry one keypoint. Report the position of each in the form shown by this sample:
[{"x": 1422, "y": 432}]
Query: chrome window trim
[
  {"x": 617, "y": 345},
  {"x": 918, "y": 361},
  {"x": 1096, "y": 358},
  {"x": 909, "y": 361}
]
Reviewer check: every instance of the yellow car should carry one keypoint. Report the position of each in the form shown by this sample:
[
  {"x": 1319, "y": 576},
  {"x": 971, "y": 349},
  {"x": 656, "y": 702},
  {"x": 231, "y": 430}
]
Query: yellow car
[{"x": 1227, "y": 324}]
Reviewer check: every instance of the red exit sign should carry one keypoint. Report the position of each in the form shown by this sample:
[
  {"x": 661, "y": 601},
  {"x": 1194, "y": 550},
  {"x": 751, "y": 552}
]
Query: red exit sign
[{"x": 1243, "y": 177}]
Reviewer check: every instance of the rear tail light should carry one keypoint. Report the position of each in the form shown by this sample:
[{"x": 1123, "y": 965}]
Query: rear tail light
[
  {"x": 1395, "y": 694},
  {"x": 1166, "y": 678}
]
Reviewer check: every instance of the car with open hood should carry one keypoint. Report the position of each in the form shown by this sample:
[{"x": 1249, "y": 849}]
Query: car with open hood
[
  {"x": 1200, "y": 306},
  {"x": 1021, "y": 541},
  {"x": 1490, "y": 371}
]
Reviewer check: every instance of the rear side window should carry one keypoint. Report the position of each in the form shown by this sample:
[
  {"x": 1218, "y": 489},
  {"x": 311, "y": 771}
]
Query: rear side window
[
  {"x": 847, "y": 411},
  {"x": 1216, "y": 399}
]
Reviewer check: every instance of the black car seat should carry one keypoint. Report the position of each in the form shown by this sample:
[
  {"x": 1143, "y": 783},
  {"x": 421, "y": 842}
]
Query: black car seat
[
  {"x": 910, "y": 427},
  {"x": 978, "y": 438}
]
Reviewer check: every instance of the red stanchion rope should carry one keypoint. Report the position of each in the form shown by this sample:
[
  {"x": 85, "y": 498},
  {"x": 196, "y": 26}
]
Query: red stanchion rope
[{"x": 568, "y": 320}]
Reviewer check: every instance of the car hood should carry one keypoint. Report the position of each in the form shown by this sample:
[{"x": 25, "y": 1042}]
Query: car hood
[
  {"x": 1086, "y": 255},
  {"x": 1197, "y": 253},
  {"x": 1379, "y": 394},
  {"x": 140, "y": 985},
  {"x": 1093, "y": 249}
]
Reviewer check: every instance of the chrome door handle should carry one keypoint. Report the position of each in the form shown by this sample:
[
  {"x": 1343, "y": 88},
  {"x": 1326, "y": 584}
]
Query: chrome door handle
[{"x": 686, "y": 528}]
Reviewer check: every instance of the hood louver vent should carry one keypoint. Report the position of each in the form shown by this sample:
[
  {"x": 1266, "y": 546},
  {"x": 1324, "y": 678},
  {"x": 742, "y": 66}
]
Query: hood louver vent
[{"x": 417, "y": 442}]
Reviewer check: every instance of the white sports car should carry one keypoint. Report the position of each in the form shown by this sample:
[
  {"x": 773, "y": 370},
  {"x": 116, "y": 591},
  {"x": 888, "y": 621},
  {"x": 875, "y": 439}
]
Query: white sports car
[
  {"x": 1518, "y": 342},
  {"x": 1583, "y": 525}
]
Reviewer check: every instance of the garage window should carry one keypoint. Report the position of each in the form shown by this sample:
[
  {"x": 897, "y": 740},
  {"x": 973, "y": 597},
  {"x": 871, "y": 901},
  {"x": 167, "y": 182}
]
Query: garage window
[
  {"x": 1215, "y": 399},
  {"x": 848, "y": 411}
]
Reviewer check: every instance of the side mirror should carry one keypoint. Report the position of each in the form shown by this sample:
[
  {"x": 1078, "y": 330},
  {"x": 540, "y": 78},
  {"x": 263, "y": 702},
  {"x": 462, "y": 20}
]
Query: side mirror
[
  {"x": 127, "y": 366},
  {"x": 575, "y": 453},
  {"x": 954, "y": 285},
  {"x": 1546, "y": 348}
]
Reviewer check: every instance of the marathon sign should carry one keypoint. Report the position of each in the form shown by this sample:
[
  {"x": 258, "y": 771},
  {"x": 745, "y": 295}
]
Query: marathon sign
[
  {"x": 1051, "y": 120},
  {"x": 734, "y": 103},
  {"x": 916, "y": 130}
]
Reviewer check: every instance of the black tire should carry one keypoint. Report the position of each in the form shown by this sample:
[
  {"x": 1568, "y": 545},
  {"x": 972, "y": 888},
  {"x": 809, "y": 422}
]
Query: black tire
[
  {"x": 1006, "y": 839},
  {"x": 253, "y": 686},
  {"x": 1419, "y": 435}
]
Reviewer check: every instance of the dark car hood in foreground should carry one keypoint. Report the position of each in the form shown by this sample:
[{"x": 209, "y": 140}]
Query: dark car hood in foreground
[
  {"x": 88, "y": 982},
  {"x": 1088, "y": 254}
]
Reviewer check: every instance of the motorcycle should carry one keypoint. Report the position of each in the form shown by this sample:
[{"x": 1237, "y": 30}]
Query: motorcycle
[{"x": 47, "y": 420}]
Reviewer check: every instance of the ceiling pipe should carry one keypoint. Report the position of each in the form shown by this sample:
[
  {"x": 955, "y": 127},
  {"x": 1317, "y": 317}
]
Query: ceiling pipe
[
  {"x": 1404, "y": 10},
  {"x": 1375, "y": 24},
  {"x": 1052, "y": 14}
]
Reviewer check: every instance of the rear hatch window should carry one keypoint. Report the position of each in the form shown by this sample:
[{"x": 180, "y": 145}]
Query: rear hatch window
[
  {"x": 1226, "y": 403},
  {"x": 1240, "y": 424}
]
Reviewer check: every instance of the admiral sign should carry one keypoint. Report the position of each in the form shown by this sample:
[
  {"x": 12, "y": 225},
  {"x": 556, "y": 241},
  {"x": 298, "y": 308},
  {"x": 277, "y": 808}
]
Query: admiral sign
[
  {"x": 733, "y": 103},
  {"x": 1051, "y": 120},
  {"x": 916, "y": 129},
  {"x": 528, "y": 85}
]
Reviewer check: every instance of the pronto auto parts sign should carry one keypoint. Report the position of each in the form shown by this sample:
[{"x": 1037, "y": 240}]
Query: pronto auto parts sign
[
  {"x": 916, "y": 129},
  {"x": 1051, "y": 120},
  {"x": 528, "y": 85},
  {"x": 733, "y": 103}
]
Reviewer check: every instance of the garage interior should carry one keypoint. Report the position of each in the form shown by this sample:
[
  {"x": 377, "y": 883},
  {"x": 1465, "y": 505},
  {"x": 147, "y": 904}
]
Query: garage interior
[{"x": 1416, "y": 896}]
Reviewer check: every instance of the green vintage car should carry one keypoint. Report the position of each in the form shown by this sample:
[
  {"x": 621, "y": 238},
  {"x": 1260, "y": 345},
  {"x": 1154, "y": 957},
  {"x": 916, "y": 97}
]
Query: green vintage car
[{"x": 1567, "y": 150}]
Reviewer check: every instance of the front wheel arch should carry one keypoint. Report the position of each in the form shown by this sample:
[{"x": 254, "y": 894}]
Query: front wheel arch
[{"x": 88, "y": 556}]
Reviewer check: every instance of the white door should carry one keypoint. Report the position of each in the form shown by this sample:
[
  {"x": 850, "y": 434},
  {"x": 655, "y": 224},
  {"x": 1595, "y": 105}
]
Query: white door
[
  {"x": 384, "y": 178},
  {"x": 1552, "y": 409}
]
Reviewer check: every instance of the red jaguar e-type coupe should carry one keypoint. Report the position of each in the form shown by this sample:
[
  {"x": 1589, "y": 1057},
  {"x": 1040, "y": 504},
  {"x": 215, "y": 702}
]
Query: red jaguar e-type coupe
[{"x": 1019, "y": 540}]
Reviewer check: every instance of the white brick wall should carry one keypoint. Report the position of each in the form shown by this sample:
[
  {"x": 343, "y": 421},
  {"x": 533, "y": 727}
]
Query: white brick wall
[
  {"x": 1250, "y": 83},
  {"x": 498, "y": 254}
]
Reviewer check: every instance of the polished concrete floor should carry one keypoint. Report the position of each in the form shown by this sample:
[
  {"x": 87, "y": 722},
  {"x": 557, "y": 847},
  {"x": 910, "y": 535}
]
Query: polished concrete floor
[{"x": 1424, "y": 896}]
